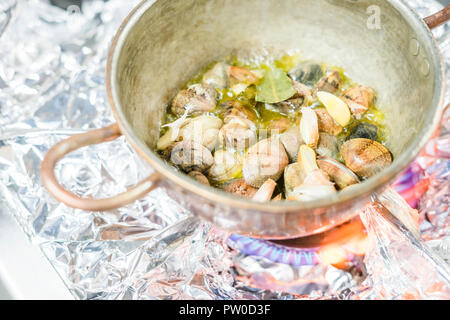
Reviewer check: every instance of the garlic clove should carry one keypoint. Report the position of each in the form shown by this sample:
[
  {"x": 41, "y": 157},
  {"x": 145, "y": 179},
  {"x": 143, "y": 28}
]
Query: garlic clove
[{"x": 337, "y": 108}]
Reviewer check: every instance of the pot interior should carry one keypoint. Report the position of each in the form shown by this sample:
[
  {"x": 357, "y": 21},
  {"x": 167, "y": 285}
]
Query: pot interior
[{"x": 171, "y": 41}]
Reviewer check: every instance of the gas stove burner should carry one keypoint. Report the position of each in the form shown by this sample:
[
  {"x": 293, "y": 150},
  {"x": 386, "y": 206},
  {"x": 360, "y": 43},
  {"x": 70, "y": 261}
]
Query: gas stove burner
[
  {"x": 338, "y": 247},
  {"x": 275, "y": 252}
]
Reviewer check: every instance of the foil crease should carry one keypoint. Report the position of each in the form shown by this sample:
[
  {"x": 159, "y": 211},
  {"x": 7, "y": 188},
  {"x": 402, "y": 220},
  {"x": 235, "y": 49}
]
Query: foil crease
[
  {"x": 435, "y": 205},
  {"x": 52, "y": 86},
  {"x": 398, "y": 269}
]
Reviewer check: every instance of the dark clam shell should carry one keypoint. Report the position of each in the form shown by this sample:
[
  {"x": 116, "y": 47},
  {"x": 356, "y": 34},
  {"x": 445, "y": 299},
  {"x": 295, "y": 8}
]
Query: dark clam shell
[
  {"x": 307, "y": 73},
  {"x": 364, "y": 130}
]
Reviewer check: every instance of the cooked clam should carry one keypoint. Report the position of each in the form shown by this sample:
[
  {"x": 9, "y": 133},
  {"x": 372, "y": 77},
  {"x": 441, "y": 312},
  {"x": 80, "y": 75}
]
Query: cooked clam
[
  {"x": 237, "y": 109},
  {"x": 271, "y": 124},
  {"x": 196, "y": 99},
  {"x": 317, "y": 177},
  {"x": 328, "y": 146},
  {"x": 365, "y": 157},
  {"x": 291, "y": 140},
  {"x": 326, "y": 122},
  {"x": 217, "y": 76},
  {"x": 167, "y": 139},
  {"x": 302, "y": 91},
  {"x": 340, "y": 174},
  {"x": 308, "y": 193},
  {"x": 289, "y": 106},
  {"x": 330, "y": 83},
  {"x": 200, "y": 177},
  {"x": 307, "y": 73},
  {"x": 191, "y": 156},
  {"x": 238, "y": 133},
  {"x": 264, "y": 160},
  {"x": 315, "y": 185},
  {"x": 294, "y": 175},
  {"x": 227, "y": 166},
  {"x": 203, "y": 129},
  {"x": 278, "y": 125},
  {"x": 277, "y": 198},
  {"x": 303, "y": 97},
  {"x": 364, "y": 130},
  {"x": 242, "y": 75},
  {"x": 359, "y": 99},
  {"x": 350, "y": 188},
  {"x": 305, "y": 181},
  {"x": 265, "y": 192},
  {"x": 309, "y": 127},
  {"x": 165, "y": 153},
  {"x": 172, "y": 134},
  {"x": 240, "y": 188},
  {"x": 241, "y": 78}
]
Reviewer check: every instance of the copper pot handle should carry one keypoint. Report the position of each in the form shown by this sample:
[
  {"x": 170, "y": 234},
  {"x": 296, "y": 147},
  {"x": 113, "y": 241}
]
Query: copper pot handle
[
  {"x": 76, "y": 142},
  {"x": 438, "y": 18}
]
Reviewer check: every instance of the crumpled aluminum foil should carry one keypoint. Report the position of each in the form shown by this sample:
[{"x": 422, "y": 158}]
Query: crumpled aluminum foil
[{"x": 52, "y": 86}]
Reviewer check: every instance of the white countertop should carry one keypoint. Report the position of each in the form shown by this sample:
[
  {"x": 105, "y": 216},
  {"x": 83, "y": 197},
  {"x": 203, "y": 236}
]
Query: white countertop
[{"x": 24, "y": 271}]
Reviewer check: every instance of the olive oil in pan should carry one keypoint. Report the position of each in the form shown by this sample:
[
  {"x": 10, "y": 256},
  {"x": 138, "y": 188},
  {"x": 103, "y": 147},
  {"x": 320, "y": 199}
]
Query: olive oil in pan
[{"x": 242, "y": 90}]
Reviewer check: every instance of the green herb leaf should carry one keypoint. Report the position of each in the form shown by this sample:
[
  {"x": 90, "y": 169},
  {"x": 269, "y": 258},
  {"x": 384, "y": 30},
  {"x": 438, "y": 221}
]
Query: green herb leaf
[{"x": 275, "y": 87}]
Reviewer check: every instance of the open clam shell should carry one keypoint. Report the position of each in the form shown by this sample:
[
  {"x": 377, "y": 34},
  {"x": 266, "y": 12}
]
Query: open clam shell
[
  {"x": 365, "y": 157},
  {"x": 340, "y": 174}
]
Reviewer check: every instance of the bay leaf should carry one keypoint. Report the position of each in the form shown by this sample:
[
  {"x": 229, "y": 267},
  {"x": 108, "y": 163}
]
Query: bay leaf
[{"x": 275, "y": 87}]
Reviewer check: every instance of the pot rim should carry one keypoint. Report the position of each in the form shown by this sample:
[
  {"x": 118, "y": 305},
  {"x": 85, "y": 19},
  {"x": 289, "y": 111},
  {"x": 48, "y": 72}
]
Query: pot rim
[{"x": 365, "y": 189}]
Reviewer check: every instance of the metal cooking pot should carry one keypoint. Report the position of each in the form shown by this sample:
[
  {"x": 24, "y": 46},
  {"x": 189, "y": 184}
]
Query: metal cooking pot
[{"x": 162, "y": 44}]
